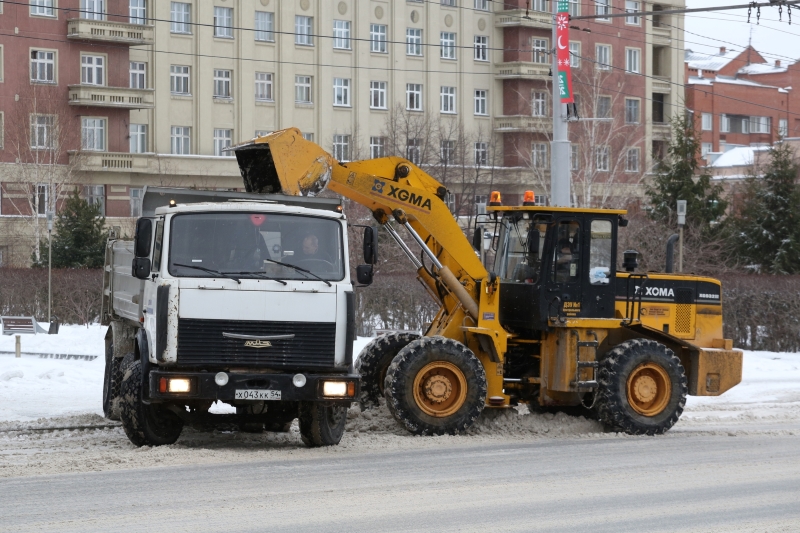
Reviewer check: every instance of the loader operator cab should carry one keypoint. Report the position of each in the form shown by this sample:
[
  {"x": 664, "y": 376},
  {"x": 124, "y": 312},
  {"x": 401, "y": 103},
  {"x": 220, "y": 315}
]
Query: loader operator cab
[{"x": 554, "y": 263}]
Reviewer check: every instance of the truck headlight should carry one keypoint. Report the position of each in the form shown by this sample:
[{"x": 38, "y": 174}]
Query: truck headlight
[
  {"x": 179, "y": 385},
  {"x": 334, "y": 388}
]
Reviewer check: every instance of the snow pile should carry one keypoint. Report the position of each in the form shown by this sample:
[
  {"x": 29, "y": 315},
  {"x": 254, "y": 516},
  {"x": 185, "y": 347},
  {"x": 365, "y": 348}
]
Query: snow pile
[
  {"x": 71, "y": 340},
  {"x": 513, "y": 422}
]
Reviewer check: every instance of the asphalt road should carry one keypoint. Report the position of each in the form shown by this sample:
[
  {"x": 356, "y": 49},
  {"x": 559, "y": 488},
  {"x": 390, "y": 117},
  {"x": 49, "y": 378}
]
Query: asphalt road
[{"x": 670, "y": 483}]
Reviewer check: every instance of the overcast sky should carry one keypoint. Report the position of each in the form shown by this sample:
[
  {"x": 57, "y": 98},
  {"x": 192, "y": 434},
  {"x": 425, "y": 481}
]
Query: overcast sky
[{"x": 775, "y": 40}]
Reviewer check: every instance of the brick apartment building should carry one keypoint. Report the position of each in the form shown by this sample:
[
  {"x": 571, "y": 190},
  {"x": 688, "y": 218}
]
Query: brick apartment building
[{"x": 129, "y": 93}]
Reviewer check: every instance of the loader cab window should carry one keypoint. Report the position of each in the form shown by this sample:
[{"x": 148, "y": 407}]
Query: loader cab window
[
  {"x": 567, "y": 253},
  {"x": 520, "y": 250},
  {"x": 600, "y": 252}
]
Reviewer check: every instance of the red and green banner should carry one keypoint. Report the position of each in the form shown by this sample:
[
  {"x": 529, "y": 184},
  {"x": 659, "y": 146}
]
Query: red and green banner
[{"x": 564, "y": 61}]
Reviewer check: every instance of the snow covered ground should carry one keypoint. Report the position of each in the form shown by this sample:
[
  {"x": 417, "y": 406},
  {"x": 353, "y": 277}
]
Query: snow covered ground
[{"x": 33, "y": 388}]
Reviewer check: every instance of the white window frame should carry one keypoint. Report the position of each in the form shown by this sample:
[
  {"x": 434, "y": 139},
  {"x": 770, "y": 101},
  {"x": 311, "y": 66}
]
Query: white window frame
[
  {"x": 602, "y": 157},
  {"x": 447, "y": 100},
  {"x": 602, "y": 56},
  {"x": 481, "y": 102},
  {"x": 539, "y": 104},
  {"x": 180, "y": 14},
  {"x": 43, "y": 66},
  {"x": 575, "y": 8},
  {"x": 481, "y": 47},
  {"x": 447, "y": 42},
  {"x": 137, "y": 12},
  {"x": 539, "y": 158},
  {"x": 540, "y": 49},
  {"x": 222, "y": 84},
  {"x": 138, "y": 74},
  {"x": 264, "y": 87},
  {"x": 43, "y": 8},
  {"x": 705, "y": 148},
  {"x": 265, "y": 26},
  {"x": 180, "y": 140},
  {"x": 706, "y": 122},
  {"x": 574, "y": 157},
  {"x": 540, "y": 6},
  {"x": 377, "y": 38},
  {"x": 138, "y": 138},
  {"x": 341, "y": 92},
  {"x": 93, "y": 70},
  {"x": 447, "y": 151},
  {"x": 575, "y": 54},
  {"x": 135, "y": 194},
  {"x": 178, "y": 78},
  {"x": 93, "y": 9},
  {"x": 377, "y": 147},
  {"x": 43, "y": 132},
  {"x": 724, "y": 123},
  {"x": 341, "y": 148},
  {"x": 633, "y": 60},
  {"x": 414, "y": 42},
  {"x": 303, "y": 89},
  {"x": 223, "y": 138},
  {"x": 413, "y": 96},
  {"x": 413, "y": 151},
  {"x": 481, "y": 5},
  {"x": 223, "y": 22},
  {"x": 341, "y": 34},
  {"x": 632, "y": 6},
  {"x": 481, "y": 151},
  {"x": 95, "y": 195},
  {"x": 638, "y": 105},
  {"x": 377, "y": 95},
  {"x": 308, "y": 136},
  {"x": 303, "y": 30},
  {"x": 93, "y": 133},
  {"x": 602, "y": 7},
  {"x": 600, "y": 108},
  {"x": 42, "y": 201},
  {"x": 629, "y": 167},
  {"x": 783, "y": 127}
]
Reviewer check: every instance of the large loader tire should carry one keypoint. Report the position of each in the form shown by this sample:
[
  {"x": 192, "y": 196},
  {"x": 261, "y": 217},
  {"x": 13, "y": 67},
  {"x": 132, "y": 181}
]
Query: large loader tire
[
  {"x": 435, "y": 386},
  {"x": 145, "y": 425},
  {"x": 112, "y": 379},
  {"x": 322, "y": 424},
  {"x": 373, "y": 362},
  {"x": 642, "y": 388}
]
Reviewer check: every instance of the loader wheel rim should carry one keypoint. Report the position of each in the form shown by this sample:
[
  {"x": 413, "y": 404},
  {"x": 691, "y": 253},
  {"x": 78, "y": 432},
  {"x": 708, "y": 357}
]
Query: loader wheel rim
[
  {"x": 649, "y": 389},
  {"x": 440, "y": 389}
]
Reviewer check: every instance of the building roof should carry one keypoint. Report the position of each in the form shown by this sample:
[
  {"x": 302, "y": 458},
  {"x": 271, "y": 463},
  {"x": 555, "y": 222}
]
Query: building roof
[
  {"x": 741, "y": 156},
  {"x": 762, "y": 68},
  {"x": 712, "y": 62}
]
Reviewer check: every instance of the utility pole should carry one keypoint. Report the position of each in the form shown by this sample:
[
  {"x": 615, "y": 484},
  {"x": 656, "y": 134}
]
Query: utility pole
[
  {"x": 681, "y": 222},
  {"x": 559, "y": 146},
  {"x": 49, "y": 263}
]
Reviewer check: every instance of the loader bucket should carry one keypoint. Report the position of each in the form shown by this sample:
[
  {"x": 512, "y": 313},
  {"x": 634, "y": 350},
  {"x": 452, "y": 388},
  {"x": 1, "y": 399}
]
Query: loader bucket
[{"x": 306, "y": 172}]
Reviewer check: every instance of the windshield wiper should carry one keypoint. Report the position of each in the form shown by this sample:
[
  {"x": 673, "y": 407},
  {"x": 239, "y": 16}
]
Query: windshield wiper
[
  {"x": 299, "y": 269},
  {"x": 211, "y": 271},
  {"x": 262, "y": 275}
]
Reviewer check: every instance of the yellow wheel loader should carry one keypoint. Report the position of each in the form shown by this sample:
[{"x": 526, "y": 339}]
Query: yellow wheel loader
[{"x": 553, "y": 323}]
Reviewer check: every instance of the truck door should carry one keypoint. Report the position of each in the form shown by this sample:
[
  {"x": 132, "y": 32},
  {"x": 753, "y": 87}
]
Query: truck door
[{"x": 564, "y": 279}]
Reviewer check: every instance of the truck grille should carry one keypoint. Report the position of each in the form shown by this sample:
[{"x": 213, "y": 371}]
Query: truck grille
[{"x": 200, "y": 342}]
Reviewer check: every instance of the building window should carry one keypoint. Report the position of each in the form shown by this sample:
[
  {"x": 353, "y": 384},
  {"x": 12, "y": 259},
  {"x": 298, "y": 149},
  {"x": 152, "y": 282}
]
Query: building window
[
  {"x": 223, "y": 22},
  {"x": 447, "y": 41},
  {"x": 308, "y": 137},
  {"x": 341, "y": 92},
  {"x": 414, "y": 97},
  {"x": 341, "y": 147},
  {"x": 707, "y": 121},
  {"x": 539, "y": 155},
  {"x": 574, "y": 157},
  {"x": 377, "y": 38},
  {"x": 341, "y": 34},
  {"x": 447, "y": 149},
  {"x": 574, "y": 8},
  {"x": 601, "y": 156},
  {"x": 481, "y": 102},
  {"x": 302, "y": 30},
  {"x": 631, "y": 111},
  {"x": 93, "y": 9},
  {"x": 481, "y": 201},
  {"x": 222, "y": 140},
  {"x": 137, "y": 11},
  {"x": 760, "y": 124},
  {"x": 575, "y": 55},
  {"x": 540, "y": 5},
  {"x": 540, "y": 51},
  {"x": 42, "y": 8},
  {"x": 603, "y": 107},
  {"x": 481, "y": 48},
  {"x": 137, "y": 71},
  {"x": 539, "y": 105},
  {"x": 179, "y": 79},
  {"x": 181, "y": 17},
  {"x": 413, "y": 42},
  {"x": 705, "y": 148},
  {"x": 41, "y": 198},
  {"x": 448, "y": 99},
  {"x": 413, "y": 151},
  {"x": 96, "y": 196},
  {"x": 377, "y": 147},
  {"x": 603, "y": 56},
  {"x": 632, "y": 160},
  {"x": 136, "y": 201},
  {"x": 93, "y": 134},
  {"x": 377, "y": 94},
  {"x": 43, "y": 66},
  {"x": 264, "y": 86},
  {"x": 450, "y": 3},
  {"x": 783, "y": 127},
  {"x": 482, "y": 5},
  {"x": 302, "y": 89},
  {"x": 180, "y": 138},
  {"x": 93, "y": 70},
  {"x": 481, "y": 154},
  {"x": 632, "y": 60},
  {"x": 138, "y": 138},
  {"x": 42, "y": 132},
  {"x": 222, "y": 83},
  {"x": 602, "y": 7},
  {"x": 724, "y": 123},
  {"x": 632, "y": 7},
  {"x": 265, "y": 26}
]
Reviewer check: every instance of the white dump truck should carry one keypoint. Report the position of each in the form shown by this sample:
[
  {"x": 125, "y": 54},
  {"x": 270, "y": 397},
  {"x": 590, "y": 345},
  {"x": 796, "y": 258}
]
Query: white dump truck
[{"x": 240, "y": 298}]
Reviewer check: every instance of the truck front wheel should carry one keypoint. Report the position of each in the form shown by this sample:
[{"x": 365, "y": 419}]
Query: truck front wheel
[
  {"x": 145, "y": 425},
  {"x": 321, "y": 424},
  {"x": 111, "y": 384}
]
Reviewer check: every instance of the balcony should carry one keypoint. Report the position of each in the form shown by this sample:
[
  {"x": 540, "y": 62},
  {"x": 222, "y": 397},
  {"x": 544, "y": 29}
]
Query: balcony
[
  {"x": 523, "y": 70},
  {"x": 535, "y": 19},
  {"x": 120, "y": 97},
  {"x": 662, "y": 36},
  {"x": 661, "y": 84},
  {"x": 193, "y": 167},
  {"x": 523, "y": 124},
  {"x": 661, "y": 131},
  {"x": 110, "y": 32}
]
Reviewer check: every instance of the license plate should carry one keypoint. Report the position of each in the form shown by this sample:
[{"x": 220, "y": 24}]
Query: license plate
[{"x": 251, "y": 394}]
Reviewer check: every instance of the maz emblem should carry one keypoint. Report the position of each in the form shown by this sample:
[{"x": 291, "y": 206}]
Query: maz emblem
[{"x": 258, "y": 344}]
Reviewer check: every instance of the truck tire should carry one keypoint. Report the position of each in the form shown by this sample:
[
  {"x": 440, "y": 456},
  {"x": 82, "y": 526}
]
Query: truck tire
[
  {"x": 112, "y": 379},
  {"x": 321, "y": 424},
  {"x": 373, "y": 362},
  {"x": 642, "y": 388},
  {"x": 435, "y": 386},
  {"x": 145, "y": 425}
]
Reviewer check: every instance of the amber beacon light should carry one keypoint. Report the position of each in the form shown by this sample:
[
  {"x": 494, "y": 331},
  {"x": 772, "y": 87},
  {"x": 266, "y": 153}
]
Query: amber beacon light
[
  {"x": 495, "y": 199},
  {"x": 529, "y": 198}
]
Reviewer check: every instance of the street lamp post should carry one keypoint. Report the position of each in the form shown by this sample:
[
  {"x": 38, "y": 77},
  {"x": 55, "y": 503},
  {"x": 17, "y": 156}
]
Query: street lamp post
[
  {"x": 681, "y": 223},
  {"x": 49, "y": 264}
]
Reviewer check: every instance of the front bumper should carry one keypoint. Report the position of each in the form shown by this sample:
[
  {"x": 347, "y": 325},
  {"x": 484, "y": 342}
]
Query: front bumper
[{"x": 203, "y": 386}]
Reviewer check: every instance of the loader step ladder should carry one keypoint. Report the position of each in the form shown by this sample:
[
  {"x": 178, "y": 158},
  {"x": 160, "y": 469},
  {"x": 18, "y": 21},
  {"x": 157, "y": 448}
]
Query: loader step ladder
[{"x": 590, "y": 383}]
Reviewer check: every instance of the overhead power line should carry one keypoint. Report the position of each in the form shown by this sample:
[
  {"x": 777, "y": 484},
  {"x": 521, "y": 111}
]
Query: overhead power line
[{"x": 754, "y": 5}]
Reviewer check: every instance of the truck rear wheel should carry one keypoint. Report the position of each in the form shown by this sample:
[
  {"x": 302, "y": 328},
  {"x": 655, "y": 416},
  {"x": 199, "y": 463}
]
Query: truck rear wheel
[
  {"x": 373, "y": 362},
  {"x": 321, "y": 424},
  {"x": 435, "y": 386},
  {"x": 642, "y": 388},
  {"x": 145, "y": 425},
  {"x": 112, "y": 379}
]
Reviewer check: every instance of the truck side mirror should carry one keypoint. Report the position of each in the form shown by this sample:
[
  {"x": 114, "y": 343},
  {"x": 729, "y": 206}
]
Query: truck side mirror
[
  {"x": 477, "y": 238},
  {"x": 143, "y": 237},
  {"x": 364, "y": 274},
  {"x": 141, "y": 267},
  {"x": 370, "y": 247}
]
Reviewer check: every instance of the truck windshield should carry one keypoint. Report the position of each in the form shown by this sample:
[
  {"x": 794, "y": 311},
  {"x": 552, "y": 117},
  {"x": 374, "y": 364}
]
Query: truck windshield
[
  {"x": 520, "y": 249},
  {"x": 248, "y": 244}
]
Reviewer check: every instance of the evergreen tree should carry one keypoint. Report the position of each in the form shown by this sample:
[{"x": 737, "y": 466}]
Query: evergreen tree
[
  {"x": 676, "y": 178},
  {"x": 79, "y": 239},
  {"x": 768, "y": 227}
]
